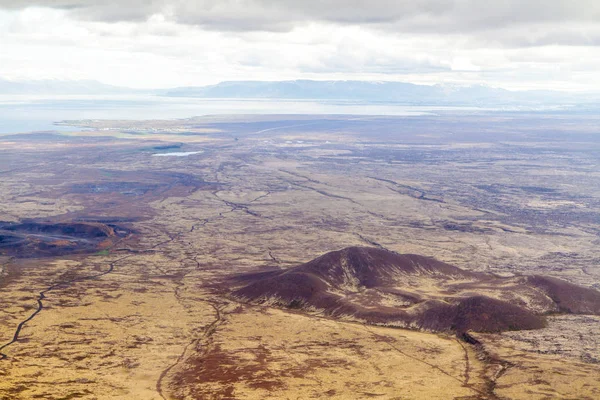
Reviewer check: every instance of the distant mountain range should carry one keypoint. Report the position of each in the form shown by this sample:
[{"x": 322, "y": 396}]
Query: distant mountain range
[
  {"x": 396, "y": 92},
  {"x": 360, "y": 91}
]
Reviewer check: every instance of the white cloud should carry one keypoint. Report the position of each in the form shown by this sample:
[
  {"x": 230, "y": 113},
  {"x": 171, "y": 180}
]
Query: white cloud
[{"x": 158, "y": 46}]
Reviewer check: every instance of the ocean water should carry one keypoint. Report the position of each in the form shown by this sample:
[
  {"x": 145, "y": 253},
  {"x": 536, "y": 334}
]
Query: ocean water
[{"x": 38, "y": 113}]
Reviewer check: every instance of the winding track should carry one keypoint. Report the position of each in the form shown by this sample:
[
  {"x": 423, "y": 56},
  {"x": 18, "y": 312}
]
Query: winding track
[
  {"x": 208, "y": 331},
  {"x": 42, "y": 296},
  {"x": 465, "y": 383}
]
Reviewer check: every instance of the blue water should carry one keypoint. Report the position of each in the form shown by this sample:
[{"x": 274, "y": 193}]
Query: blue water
[{"x": 28, "y": 113}]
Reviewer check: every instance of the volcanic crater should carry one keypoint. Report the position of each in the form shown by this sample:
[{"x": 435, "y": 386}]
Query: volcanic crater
[
  {"x": 381, "y": 287},
  {"x": 32, "y": 239}
]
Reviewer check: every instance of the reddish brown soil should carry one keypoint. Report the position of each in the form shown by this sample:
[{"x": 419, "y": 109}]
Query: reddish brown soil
[{"x": 333, "y": 281}]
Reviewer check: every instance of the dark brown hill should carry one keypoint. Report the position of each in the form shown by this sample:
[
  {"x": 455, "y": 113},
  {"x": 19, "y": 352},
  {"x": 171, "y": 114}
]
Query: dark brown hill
[
  {"x": 480, "y": 314},
  {"x": 569, "y": 298},
  {"x": 382, "y": 287},
  {"x": 372, "y": 267}
]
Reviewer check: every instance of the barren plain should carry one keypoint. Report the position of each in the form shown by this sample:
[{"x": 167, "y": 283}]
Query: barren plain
[{"x": 118, "y": 243}]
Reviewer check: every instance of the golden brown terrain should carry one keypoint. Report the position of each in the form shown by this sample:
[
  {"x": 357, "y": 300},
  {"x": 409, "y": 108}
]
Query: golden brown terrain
[{"x": 147, "y": 314}]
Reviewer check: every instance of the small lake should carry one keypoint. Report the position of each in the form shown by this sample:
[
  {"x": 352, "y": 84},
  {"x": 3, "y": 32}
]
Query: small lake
[{"x": 177, "y": 154}]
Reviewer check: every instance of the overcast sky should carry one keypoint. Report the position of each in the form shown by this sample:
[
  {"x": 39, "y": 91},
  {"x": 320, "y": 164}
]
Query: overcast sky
[{"x": 516, "y": 44}]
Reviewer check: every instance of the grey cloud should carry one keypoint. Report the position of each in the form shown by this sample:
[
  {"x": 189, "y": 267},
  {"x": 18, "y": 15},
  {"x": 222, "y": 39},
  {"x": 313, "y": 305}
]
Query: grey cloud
[
  {"x": 401, "y": 16},
  {"x": 109, "y": 11}
]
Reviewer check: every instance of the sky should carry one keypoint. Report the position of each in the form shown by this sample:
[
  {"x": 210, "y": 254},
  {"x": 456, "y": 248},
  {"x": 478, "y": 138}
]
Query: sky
[{"x": 514, "y": 44}]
